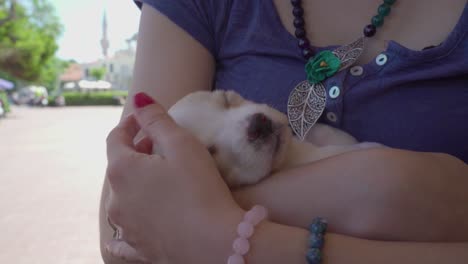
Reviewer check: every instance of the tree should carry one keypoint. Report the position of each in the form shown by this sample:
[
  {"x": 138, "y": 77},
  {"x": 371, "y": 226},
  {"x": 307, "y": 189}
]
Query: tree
[
  {"x": 98, "y": 73},
  {"x": 10, "y": 14},
  {"x": 28, "y": 40}
]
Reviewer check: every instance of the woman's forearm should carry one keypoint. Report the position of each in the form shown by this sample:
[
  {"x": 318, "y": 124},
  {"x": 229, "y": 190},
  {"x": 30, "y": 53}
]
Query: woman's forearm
[
  {"x": 348, "y": 250},
  {"x": 377, "y": 194}
]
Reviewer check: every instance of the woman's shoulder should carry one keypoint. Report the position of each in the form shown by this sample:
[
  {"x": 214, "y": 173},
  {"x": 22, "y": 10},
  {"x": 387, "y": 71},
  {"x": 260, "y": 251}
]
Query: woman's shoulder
[{"x": 207, "y": 21}]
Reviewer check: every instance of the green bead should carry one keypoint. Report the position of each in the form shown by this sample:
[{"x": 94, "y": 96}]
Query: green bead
[
  {"x": 389, "y": 2},
  {"x": 377, "y": 20},
  {"x": 384, "y": 10}
]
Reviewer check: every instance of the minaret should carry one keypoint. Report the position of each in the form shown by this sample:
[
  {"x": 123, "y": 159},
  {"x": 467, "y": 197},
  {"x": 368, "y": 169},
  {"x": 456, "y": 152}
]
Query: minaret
[{"x": 104, "y": 40}]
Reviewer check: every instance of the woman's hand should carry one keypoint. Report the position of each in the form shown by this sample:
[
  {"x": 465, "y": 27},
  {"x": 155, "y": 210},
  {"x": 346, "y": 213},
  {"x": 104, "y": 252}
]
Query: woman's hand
[{"x": 172, "y": 206}]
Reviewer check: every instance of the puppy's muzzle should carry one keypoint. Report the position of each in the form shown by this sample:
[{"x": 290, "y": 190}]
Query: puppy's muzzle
[{"x": 260, "y": 126}]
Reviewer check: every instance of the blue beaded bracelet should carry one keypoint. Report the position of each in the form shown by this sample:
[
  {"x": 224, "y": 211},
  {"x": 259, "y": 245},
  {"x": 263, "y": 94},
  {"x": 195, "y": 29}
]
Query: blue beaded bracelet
[{"x": 317, "y": 229}]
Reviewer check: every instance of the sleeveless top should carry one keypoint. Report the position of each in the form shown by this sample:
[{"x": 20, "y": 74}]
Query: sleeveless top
[{"x": 408, "y": 99}]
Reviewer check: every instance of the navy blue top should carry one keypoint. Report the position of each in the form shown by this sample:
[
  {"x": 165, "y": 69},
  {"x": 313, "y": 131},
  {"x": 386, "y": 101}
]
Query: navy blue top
[{"x": 416, "y": 100}]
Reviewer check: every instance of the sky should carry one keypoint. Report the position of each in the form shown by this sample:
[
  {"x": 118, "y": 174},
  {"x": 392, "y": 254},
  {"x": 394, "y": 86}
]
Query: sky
[{"x": 82, "y": 21}]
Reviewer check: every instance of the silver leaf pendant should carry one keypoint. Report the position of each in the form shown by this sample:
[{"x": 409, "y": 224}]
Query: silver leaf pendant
[
  {"x": 307, "y": 101},
  {"x": 305, "y": 106},
  {"x": 349, "y": 54}
]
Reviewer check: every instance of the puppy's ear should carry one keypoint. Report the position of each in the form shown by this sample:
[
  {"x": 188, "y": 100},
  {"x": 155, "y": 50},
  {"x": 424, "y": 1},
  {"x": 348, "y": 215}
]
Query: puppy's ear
[{"x": 234, "y": 99}]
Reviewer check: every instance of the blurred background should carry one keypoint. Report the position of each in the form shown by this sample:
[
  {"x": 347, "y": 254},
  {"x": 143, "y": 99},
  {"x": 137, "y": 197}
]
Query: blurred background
[{"x": 65, "y": 69}]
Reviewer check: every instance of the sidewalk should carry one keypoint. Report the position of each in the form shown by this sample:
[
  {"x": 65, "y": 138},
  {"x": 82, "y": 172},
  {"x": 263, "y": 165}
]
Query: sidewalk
[{"x": 52, "y": 163}]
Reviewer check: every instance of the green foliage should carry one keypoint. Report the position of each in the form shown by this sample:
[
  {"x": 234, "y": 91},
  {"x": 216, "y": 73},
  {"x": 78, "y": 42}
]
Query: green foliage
[
  {"x": 93, "y": 98},
  {"x": 50, "y": 72},
  {"x": 4, "y": 99},
  {"x": 28, "y": 41},
  {"x": 98, "y": 73}
]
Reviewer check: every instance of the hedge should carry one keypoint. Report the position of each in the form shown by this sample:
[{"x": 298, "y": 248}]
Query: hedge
[
  {"x": 6, "y": 103},
  {"x": 92, "y": 98}
]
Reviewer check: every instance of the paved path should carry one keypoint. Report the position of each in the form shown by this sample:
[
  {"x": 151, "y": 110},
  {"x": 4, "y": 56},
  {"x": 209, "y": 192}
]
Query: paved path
[{"x": 52, "y": 163}]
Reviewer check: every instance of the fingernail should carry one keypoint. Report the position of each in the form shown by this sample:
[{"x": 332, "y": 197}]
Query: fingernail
[{"x": 142, "y": 99}]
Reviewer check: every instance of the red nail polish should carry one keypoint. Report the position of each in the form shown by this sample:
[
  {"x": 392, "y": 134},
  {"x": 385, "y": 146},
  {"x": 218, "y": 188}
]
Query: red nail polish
[{"x": 142, "y": 99}]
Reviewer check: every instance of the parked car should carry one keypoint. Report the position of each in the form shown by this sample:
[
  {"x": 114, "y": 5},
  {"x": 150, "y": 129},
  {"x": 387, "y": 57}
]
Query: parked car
[{"x": 33, "y": 96}]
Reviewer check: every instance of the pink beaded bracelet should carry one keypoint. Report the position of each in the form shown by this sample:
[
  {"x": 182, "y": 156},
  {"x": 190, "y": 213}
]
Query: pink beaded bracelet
[{"x": 245, "y": 230}]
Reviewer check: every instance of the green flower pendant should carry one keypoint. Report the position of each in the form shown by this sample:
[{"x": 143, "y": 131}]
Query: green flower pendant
[
  {"x": 325, "y": 64},
  {"x": 307, "y": 100}
]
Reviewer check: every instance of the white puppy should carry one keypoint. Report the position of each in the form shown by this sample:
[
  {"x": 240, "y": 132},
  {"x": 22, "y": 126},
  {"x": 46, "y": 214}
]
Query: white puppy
[{"x": 249, "y": 141}]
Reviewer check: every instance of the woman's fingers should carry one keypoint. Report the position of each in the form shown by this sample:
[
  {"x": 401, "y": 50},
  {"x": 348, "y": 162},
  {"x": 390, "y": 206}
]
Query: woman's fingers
[
  {"x": 120, "y": 139},
  {"x": 144, "y": 145},
  {"x": 121, "y": 152},
  {"x": 159, "y": 126}
]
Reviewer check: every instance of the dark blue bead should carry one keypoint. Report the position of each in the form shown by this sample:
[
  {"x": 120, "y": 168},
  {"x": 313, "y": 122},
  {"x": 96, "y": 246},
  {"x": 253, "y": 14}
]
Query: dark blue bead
[
  {"x": 318, "y": 226},
  {"x": 314, "y": 256},
  {"x": 303, "y": 43},
  {"x": 298, "y": 22},
  {"x": 300, "y": 33},
  {"x": 306, "y": 53},
  {"x": 316, "y": 241},
  {"x": 370, "y": 30},
  {"x": 298, "y": 11},
  {"x": 296, "y": 2},
  {"x": 319, "y": 220}
]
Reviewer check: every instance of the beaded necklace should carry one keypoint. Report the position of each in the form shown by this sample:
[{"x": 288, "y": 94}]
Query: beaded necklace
[{"x": 307, "y": 100}]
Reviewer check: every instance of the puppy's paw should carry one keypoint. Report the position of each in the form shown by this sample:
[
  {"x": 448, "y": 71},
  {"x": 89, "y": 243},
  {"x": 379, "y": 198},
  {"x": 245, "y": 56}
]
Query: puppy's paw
[{"x": 120, "y": 249}]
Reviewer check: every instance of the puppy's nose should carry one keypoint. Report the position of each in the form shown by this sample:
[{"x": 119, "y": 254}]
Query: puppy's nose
[{"x": 260, "y": 127}]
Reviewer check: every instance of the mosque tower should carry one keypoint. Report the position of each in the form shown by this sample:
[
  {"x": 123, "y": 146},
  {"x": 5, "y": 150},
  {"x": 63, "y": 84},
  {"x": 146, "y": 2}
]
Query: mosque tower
[{"x": 104, "y": 40}]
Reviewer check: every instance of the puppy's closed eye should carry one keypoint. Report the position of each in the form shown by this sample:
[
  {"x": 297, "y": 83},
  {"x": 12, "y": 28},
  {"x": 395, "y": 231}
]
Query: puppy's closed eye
[{"x": 212, "y": 149}]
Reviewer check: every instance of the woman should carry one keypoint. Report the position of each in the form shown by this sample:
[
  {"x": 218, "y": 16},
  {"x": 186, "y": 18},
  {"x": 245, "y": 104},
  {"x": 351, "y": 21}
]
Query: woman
[{"x": 410, "y": 95}]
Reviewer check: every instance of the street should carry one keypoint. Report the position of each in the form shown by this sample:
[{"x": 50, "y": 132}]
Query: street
[{"x": 52, "y": 163}]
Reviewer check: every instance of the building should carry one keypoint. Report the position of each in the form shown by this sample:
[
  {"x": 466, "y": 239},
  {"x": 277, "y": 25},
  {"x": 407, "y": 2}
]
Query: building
[
  {"x": 71, "y": 76},
  {"x": 73, "y": 73},
  {"x": 104, "y": 40},
  {"x": 119, "y": 66}
]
